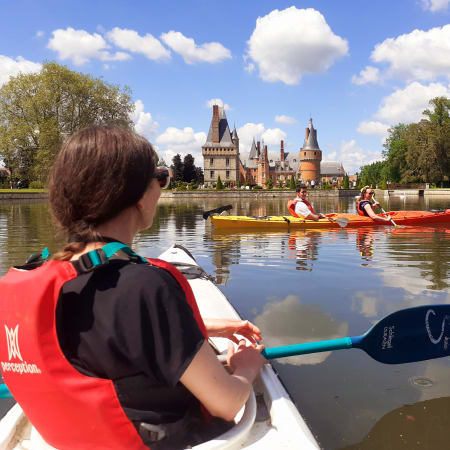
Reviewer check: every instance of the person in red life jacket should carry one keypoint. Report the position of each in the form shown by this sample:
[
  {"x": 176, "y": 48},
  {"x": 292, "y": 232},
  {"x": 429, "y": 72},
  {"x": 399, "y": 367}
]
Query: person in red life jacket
[
  {"x": 364, "y": 205},
  {"x": 300, "y": 207},
  {"x": 117, "y": 354}
]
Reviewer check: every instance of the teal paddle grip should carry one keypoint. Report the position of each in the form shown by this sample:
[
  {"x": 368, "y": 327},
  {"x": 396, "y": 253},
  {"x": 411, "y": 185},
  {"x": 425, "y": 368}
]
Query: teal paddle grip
[
  {"x": 4, "y": 391},
  {"x": 303, "y": 349}
]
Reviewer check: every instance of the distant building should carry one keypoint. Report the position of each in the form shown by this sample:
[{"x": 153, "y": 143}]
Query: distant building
[
  {"x": 221, "y": 151},
  {"x": 310, "y": 156},
  {"x": 222, "y": 157},
  {"x": 332, "y": 172}
]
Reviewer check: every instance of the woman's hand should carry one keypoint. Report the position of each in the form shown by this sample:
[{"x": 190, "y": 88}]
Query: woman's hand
[
  {"x": 228, "y": 328},
  {"x": 246, "y": 359}
]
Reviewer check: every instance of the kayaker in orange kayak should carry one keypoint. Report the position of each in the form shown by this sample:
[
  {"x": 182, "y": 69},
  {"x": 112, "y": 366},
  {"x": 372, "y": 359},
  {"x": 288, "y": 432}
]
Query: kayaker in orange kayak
[
  {"x": 364, "y": 205},
  {"x": 300, "y": 207}
]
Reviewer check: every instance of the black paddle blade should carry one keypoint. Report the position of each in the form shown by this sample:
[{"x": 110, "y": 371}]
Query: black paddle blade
[
  {"x": 409, "y": 335},
  {"x": 218, "y": 210}
]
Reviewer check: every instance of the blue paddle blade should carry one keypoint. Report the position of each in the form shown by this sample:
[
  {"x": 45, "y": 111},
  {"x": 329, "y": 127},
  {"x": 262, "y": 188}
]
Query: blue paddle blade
[{"x": 409, "y": 335}]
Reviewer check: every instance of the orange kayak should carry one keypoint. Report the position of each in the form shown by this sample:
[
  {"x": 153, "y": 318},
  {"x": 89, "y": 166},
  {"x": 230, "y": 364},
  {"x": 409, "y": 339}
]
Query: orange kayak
[{"x": 354, "y": 220}]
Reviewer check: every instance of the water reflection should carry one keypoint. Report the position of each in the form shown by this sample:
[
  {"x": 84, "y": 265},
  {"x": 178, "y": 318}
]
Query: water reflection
[
  {"x": 423, "y": 425},
  {"x": 288, "y": 321},
  {"x": 299, "y": 286}
]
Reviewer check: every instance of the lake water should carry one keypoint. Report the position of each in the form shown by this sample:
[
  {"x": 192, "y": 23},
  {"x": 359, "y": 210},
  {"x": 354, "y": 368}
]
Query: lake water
[{"x": 304, "y": 286}]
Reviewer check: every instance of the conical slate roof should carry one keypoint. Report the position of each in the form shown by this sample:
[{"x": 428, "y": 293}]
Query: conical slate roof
[
  {"x": 253, "y": 151},
  {"x": 234, "y": 134},
  {"x": 311, "y": 143},
  {"x": 224, "y": 132}
]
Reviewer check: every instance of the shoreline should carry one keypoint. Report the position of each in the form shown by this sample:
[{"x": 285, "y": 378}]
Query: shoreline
[{"x": 17, "y": 194}]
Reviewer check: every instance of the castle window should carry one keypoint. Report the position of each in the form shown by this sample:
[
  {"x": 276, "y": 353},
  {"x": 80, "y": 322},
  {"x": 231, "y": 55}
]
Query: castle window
[
  {"x": 314, "y": 153},
  {"x": 228, "y": 173},
  {"x": 211, "y": 174},
  {"x": 211, "y": 161},
  {"x": 304, "y": 153},
  {"x": 228, "y": 162}
]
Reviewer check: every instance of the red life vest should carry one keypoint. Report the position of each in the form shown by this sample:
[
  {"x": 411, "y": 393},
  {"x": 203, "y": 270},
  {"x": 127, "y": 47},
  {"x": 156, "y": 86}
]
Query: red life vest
[
  {"x": 70, "y": 410},
  {"x": 361, "y": 212},
  {"x": 291, "y": 206}
]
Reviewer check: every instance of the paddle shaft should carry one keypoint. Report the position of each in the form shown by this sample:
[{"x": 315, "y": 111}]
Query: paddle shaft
[{"x": 310, "y": 347}]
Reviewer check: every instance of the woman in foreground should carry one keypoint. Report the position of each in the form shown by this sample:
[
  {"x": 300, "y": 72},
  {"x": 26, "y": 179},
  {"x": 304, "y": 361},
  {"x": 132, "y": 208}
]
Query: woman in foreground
[{"x": 120, "y": 350}]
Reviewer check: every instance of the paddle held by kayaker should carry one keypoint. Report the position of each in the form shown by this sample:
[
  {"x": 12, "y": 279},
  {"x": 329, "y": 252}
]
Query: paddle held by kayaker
[
  {"x": 117, "y": 354},
  {"x": 300, "y": 207},
  {"x": 365, "y": 204}
]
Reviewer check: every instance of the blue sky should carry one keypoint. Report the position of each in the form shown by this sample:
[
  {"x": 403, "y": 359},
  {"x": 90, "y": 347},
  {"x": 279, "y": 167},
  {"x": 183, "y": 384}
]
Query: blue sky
[{"x": 357, "y": 67}]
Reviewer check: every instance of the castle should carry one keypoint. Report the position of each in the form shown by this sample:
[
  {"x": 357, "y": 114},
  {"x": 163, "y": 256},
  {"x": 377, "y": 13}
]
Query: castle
[{"x": 222, "y": 157}]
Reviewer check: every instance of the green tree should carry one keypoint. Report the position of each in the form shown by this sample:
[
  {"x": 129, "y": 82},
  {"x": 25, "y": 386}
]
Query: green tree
[
  {"x": 269, "y": 184},
  {"x": 372, "y": 174},
  {"x": 346, "y": 183},
  {"x": 428, "y": 142},
  {"x": 177, "y": 168},
  {"x": 219, "y": 185},
  {"x": 188, "y": 168},
  {"x": 292, "y": 183},
  {"x": 199, "y": 178},
  {"x": 39, "y": 111},
  {"x": 395, "y": 151}
]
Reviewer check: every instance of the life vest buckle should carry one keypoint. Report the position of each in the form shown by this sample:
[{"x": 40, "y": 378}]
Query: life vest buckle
[{"x": 91, "y": 260}]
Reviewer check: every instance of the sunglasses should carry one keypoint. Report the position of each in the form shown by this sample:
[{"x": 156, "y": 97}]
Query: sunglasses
[
  {"x": 371, "y": 192},
  {"x": 162, "y": 174},
  {"x": 303, "y": 192}
]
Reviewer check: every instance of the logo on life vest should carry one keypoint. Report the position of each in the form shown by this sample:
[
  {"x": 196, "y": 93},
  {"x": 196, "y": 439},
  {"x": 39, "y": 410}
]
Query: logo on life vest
[{"x": 12, "y": 340}]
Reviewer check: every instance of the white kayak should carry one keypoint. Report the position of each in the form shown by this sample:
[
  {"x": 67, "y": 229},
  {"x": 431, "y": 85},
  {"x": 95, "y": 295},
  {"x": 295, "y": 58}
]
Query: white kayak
[{"x": 268, "y": 420}]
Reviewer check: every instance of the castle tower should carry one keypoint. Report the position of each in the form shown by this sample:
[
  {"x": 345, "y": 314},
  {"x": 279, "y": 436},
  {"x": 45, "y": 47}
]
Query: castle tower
[
  {"x": 310, "y": 156},
  {"x": 220, "y": 151}
]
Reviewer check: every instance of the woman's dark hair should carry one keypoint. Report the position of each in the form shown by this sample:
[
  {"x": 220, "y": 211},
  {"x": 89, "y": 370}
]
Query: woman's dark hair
[
  {"x": 300, "y": 187},
  {"x": 99, "y": 172}
]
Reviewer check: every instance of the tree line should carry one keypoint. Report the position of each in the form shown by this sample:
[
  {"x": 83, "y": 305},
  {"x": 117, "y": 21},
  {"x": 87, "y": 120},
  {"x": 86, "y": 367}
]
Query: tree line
[{"x": 415, "y": 153}]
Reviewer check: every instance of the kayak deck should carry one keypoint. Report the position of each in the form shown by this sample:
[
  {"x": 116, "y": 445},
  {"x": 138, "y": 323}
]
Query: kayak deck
[{"x": 354, "y": 220}]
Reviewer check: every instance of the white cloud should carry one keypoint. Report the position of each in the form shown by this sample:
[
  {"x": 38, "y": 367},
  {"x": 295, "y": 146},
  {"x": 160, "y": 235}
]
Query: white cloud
[
  {"x": 285, "y": 119},
  {"x": 182, "y": 141},
  {"x": 81, "y": 46},
  {"x": 132, "y": 41},
  {"x": 273, "y": 136},
  {"x": 373, "y": 127},
  {"x": 419, "y": 55},
  {"x": 287, "y": 44},
  {"x": 143, "y": 121},
  {"x": 211, "y": 52},
  {"x": 368, "y": 75},
  {"x": 406, "y": 105},
  {"x": 435, "y": 5},
  {"x": 352, "y": 156},
  {"x": 257, "y": 131},
  {"x": 12, "y": 67},
  {"x": 39, "y": 34},
  {"x": 217, "y": 101},
  {"x": 247, "y": 133}
]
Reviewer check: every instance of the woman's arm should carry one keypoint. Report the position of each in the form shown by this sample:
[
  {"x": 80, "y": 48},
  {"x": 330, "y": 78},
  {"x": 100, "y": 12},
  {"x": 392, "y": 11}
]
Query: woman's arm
[
  {"x": 223, "y": 394},
  {"x": 373, "y": 216}
]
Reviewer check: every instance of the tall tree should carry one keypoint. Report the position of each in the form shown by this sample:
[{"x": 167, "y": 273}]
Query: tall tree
[
  {"x": 188, "y": 168},
  {"x": 177, "y": 168},
  {"x": 395, "y": 150},
  {"x": 199, "y": 178},
  {"x": 39, "y": 111},
  {"x": 428, "y": 154}
]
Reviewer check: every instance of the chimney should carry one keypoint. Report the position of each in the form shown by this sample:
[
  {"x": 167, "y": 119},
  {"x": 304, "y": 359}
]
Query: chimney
[
  {"x": 282, "y": 151},
  {"x": 215, "y": 124},
  {"x": 266, "y": 156},
  {"x": 258, "y": 148},
  {"x": 307, "y": 134}
]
